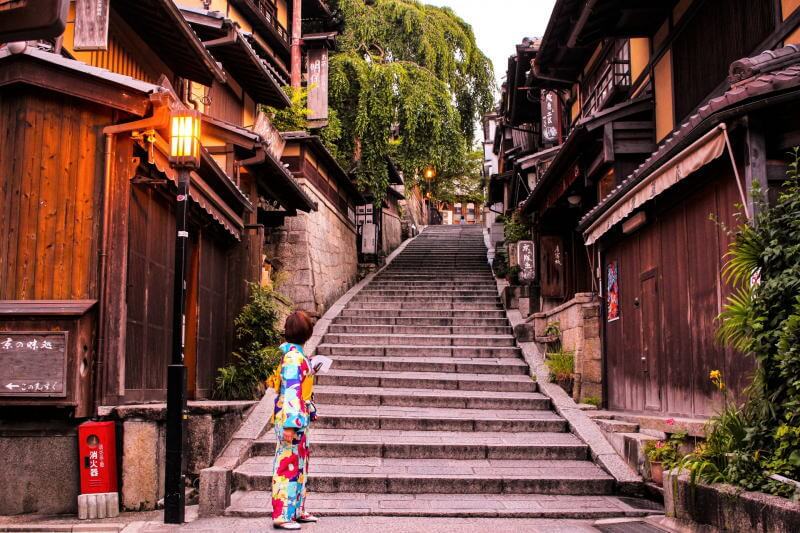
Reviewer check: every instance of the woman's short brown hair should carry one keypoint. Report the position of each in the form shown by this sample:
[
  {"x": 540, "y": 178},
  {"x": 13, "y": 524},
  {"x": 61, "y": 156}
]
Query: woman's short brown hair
[{"x": 298, "y": 328}]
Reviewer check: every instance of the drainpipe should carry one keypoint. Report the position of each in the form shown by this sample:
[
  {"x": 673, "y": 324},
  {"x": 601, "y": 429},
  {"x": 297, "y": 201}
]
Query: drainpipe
[
  {"x": 158, "y": 119},
  {"x": 297, "y": 30}
]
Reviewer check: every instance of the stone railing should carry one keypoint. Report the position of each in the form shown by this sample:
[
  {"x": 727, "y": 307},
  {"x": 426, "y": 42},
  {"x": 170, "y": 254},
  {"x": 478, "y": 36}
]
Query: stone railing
[{"x": 579, "y": 322}]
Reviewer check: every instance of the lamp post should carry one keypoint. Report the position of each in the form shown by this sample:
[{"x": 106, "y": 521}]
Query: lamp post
[
  {"x": 429, "y": 173},
  {"x": 184, "y": 156}
]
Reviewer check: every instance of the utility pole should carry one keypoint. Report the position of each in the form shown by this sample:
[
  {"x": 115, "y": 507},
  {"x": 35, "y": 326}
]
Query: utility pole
[{"x": 297, "y": 52}]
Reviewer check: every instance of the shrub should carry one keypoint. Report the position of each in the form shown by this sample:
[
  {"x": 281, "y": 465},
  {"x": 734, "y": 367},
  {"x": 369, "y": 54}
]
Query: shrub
[
  {"x": 517, "y": 228},
  {"x": 258, "y": 334},
  {"x": 561, "y": 365},
  {"x": 500, "y": 264},
  {"x": 593, "y": 400},
  {"x": 513, "y": 275}
]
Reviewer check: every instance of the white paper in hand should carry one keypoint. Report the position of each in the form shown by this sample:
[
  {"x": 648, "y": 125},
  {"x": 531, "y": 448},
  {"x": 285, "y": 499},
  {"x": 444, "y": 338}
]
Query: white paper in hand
[{"x": 321, "y": 364}]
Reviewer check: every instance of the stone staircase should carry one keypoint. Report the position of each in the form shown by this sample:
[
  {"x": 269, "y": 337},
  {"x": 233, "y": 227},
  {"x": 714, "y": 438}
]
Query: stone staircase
[{"x": 430, "y": 410}]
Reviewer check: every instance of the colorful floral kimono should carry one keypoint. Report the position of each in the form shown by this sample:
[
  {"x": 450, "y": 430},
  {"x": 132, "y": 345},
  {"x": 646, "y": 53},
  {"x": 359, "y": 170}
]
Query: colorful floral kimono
[{"x": 293, "y": 409}]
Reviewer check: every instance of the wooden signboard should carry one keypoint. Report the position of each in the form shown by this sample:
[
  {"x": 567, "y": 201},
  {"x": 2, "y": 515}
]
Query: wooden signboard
[
  {"x": 551, "y": 117},
  {"x": 33, "y": 363},
  {"x": 270, "y": 135},
  {"x": 553, "y": 271},
  {"x": 91, "y": 24},
  {"x": 318, "y": 84},
  {"x": 369, "y": 239},
  {"x": 527, "y": 263}
]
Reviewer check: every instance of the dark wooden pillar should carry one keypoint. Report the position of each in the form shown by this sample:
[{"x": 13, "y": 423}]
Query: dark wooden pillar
[
  {"x": 755, "y": 171},
  {"x": 113, "y": 307}
]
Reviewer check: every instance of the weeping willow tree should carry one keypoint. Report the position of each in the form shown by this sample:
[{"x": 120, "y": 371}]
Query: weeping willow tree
[{"x": 408, "y": 82}]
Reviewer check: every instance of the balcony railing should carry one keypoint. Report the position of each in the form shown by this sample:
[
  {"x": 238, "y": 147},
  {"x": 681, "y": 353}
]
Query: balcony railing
[
  {"x": 268, "y": 9},
  {"x": 610, "y": 78}
]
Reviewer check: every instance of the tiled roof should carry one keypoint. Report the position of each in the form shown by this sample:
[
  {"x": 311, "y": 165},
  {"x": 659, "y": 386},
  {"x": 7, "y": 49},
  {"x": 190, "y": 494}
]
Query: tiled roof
[{"x": 770, "y": 72}]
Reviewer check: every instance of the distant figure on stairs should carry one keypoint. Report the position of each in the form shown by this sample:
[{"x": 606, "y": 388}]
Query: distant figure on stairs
[{"x": 294, "y": 411}]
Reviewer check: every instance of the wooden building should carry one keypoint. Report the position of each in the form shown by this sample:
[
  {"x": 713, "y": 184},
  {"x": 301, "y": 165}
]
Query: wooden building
[
  {"x": 628, "y": 261},
  {"x": 88, "y": 223}
]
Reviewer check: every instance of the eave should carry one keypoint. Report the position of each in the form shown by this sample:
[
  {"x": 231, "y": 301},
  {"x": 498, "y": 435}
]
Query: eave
[
  {"x": 265, "y": 26},
  {"x": 59, "y": 74},
  {"x": 161, "y": 24}
]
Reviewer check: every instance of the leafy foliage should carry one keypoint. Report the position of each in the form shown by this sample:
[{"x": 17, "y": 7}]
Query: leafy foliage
[
  {"x": 407, "y": 82},
  {"x": 747, "y": 443},
  {"x": 257, "y": 337},
  {"x": 517, "y": 228},
  {"x": 561, "y": 365},
  {"x": 462, "y": 183},
  {"x": 295, "y": 118},
  {"x": 668, "y": 452},
  {"x": 500, "y": 264}
]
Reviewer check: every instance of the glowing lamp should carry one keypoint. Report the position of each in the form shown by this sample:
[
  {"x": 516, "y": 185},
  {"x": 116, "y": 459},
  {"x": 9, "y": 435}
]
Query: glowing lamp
[
  {"x": 429, "y": 173},
  {"x": 185, "y": 139}
]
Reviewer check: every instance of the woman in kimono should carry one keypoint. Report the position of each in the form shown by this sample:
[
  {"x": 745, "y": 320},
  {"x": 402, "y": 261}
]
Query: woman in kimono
[{"x": 294, "y": 411}]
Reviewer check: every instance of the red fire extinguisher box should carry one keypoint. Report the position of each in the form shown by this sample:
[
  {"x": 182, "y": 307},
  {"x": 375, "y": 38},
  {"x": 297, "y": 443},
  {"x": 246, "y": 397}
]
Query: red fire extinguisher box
[{"x": 97, "y": 446}]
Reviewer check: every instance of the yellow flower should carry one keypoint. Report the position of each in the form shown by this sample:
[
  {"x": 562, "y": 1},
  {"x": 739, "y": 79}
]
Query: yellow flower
[{"x": 715, "y": 374}]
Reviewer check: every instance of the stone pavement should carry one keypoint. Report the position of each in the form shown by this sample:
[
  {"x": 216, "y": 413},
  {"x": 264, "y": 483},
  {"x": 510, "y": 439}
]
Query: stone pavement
[{"x": 430, "y": 409}]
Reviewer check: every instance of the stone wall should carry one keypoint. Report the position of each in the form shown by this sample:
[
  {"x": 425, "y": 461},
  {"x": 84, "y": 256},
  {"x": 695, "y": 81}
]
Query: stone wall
[
  {"x": 314, "y": 254},
  {"x": 579, "y": 320},
  {"x": 38, "y": 467},
  {"x": 392, "y": 231},
  {"x": 209, "y": 426}
]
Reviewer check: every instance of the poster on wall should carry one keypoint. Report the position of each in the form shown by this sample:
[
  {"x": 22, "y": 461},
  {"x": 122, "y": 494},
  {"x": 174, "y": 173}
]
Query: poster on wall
[{"x": 612, "y": 292}]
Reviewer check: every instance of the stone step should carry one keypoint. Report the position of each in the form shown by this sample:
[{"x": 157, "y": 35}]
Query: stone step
[
  {"x": 437, "y": 419},
  {"x": 419, "y": 340},
  {"x": 503, "y": 352},
  {"x": 398, "y": 444},
  {"x": 425, "y": 301},
  {"x": 402, "y": 305},
  {"x": 423, "y": 321},
  {"x": 396, "y": 312},
  {"x": 468, "y": 476},
  {"x": 427, "y": 380},
  {"x": 419, "y": 329},
  {"x": 256, "y": 504},
  {"x": 462, "y": 365},
  {"x": 617, "y": 426},
  {"x": 432, "y": 292},
  {"x": 453, "y": 399}
]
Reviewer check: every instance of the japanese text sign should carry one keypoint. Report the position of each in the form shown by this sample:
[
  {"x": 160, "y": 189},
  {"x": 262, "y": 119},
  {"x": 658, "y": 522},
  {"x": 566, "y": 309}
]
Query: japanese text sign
[{"x": 33, "y": 363}]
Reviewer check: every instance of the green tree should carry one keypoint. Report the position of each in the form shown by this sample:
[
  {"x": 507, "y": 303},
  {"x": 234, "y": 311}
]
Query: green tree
[
  {"x": 461, "y": 183},
  {"x": 407, "y": 82}
]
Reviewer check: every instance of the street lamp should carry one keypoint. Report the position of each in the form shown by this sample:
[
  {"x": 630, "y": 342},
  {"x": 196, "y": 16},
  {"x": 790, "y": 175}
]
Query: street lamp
[{"x": 184, "y": 156}]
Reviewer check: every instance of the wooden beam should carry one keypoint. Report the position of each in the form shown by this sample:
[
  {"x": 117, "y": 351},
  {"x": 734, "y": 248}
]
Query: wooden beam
[
  {"x": 608, "y": 142},
  {"x": 581, "y": 23}
]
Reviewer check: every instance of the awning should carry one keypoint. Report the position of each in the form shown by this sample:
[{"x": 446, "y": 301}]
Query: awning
[{"x": 703, "y": 151}]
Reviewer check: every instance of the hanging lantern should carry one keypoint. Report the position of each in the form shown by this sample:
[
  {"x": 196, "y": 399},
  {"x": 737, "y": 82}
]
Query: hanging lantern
[{"x": 185, "y": 139}]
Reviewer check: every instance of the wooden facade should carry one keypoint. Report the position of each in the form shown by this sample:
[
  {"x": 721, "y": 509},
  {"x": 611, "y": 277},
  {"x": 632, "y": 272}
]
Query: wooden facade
[
  {"x": 88, "y": 195},
  {"x": 639, "y": 84}
]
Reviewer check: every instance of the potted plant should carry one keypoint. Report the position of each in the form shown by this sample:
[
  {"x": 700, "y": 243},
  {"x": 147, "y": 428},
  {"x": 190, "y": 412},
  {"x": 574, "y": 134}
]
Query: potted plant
[{"x": 663, "y": 454}]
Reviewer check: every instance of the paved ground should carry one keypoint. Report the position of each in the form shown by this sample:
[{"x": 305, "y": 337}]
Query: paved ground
[{"x": 151, "y": 522}]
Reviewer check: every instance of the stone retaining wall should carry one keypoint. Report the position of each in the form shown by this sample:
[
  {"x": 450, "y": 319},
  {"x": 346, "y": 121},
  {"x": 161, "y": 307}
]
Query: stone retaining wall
[
  {"x": 728, "y": 508},
  {"x": 392, "y": 231},
  {"x": 579, "y": 320},
  {"x": 316, "y": 252}
]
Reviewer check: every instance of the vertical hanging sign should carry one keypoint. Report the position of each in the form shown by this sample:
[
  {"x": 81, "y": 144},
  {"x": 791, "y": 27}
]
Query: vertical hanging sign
[
  {"x": 318, "y": 84},
  {"x": 91, "y": 25},
  {"x": 551, "y": 117}
]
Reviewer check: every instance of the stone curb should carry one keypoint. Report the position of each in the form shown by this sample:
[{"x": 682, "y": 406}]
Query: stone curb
[
  {"x": 215, "y": 481},
  {"x": 579, "y": 422}
]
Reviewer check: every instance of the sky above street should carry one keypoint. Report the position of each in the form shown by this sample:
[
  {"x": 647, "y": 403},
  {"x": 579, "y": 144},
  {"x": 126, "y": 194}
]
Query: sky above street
[{"x": 500, "y": 24}]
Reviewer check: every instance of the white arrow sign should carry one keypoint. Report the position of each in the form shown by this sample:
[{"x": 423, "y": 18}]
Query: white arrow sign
[{"x": 11, "y": 386}]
